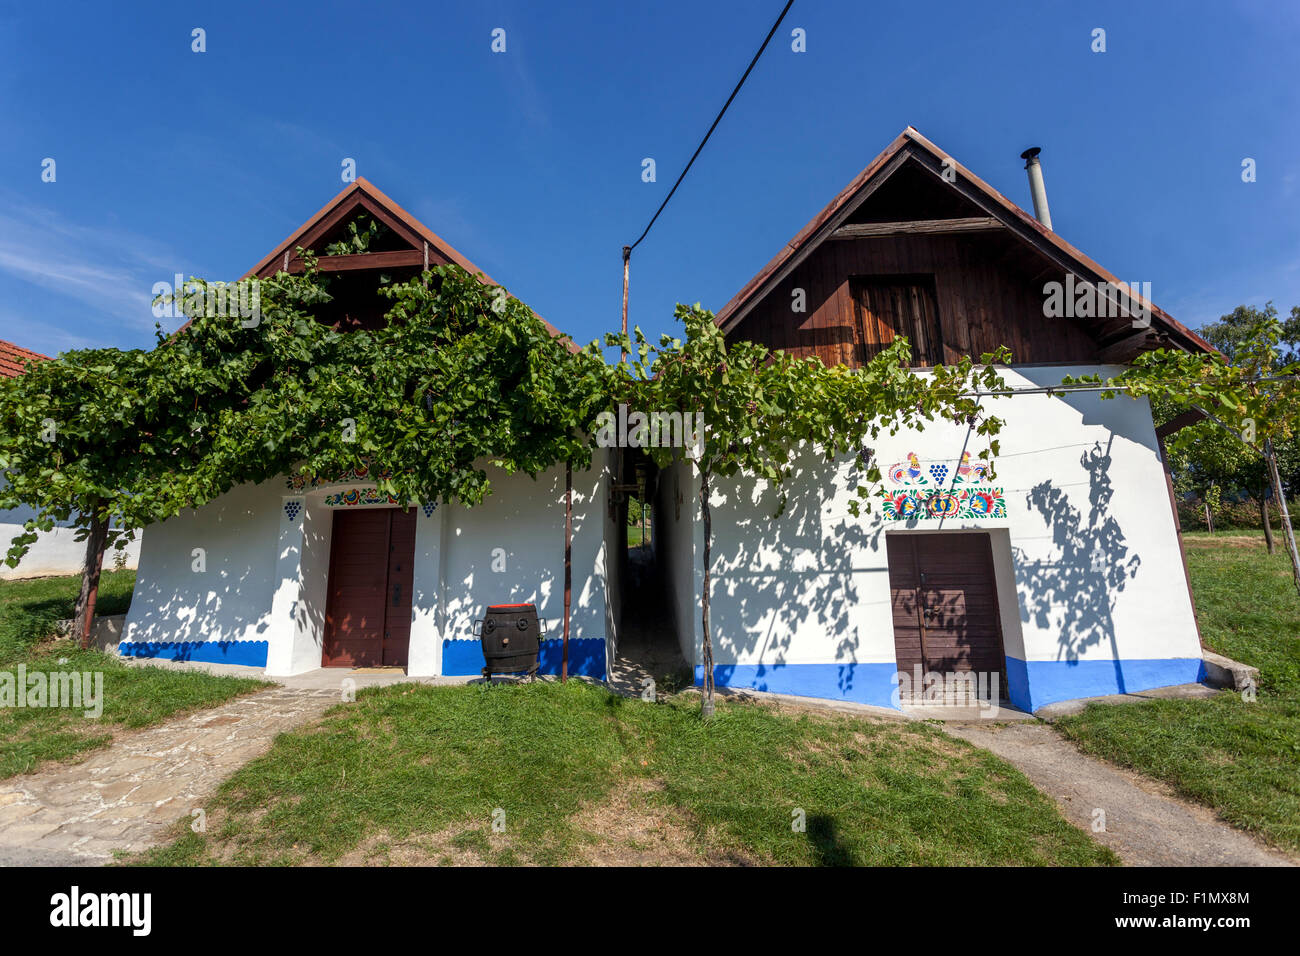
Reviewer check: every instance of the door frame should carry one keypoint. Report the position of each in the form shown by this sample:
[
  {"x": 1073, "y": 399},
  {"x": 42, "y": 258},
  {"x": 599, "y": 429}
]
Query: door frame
[
  {"x": 327, "y": 627},
  {"x": 994, "y": 587}
]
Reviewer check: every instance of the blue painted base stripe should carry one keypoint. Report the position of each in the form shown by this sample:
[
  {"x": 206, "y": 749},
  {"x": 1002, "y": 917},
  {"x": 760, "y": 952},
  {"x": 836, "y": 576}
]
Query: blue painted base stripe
[
  {"x": 247, "y": 653},
  {"x": 860, "y": 683},
  {"x": 1030, "y": 684},
  {"x": 586, "y": 657},
  {"x": 1035, "y": 684}
]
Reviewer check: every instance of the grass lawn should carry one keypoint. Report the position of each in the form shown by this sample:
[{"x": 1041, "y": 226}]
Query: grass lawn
[
  {"x": 1241, "y": 758},
  {"x": 133, "y": 696},
  {"x": 412, "y": 774}
]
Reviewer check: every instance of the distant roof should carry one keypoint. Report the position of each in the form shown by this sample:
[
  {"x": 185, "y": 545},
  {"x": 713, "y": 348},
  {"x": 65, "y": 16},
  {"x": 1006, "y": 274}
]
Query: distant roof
[
  {"x": 14, "y": 357},
  {"x": 1023, "y": 225}
]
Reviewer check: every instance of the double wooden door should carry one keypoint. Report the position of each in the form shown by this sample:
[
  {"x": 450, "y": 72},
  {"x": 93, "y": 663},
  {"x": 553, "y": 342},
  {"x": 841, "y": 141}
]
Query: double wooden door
[
  {"x": 368, "y": 601},
  {"x": 945, "y": 604}
]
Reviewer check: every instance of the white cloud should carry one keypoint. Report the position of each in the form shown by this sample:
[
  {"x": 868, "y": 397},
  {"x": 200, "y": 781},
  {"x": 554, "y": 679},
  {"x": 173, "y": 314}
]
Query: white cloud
[{"x": 111, "y": 271}]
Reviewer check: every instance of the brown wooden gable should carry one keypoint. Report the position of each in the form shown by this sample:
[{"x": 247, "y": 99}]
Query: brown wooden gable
[
  {"x": 954, "y": 265},
  {"x": 406, "y": 244},
  {"x": 406, "y": 248}
]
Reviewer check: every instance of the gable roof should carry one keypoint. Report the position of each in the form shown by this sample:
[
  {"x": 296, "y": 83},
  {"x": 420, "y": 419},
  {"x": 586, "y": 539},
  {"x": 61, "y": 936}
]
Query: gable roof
[
  {"x": 361, "y": 197},
  {"x": 911, "y": 145},
  {"x": 13, "y": 358}
]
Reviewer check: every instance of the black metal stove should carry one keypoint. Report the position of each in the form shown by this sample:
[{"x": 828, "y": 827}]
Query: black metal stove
[{"x": 511, "y": 636}]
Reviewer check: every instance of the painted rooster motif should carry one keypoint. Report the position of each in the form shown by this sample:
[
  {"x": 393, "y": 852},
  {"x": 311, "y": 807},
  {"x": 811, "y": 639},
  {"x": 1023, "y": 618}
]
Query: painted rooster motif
[
  {"x": 909, "y": 471},
  {"x": 971, "y": 471}
]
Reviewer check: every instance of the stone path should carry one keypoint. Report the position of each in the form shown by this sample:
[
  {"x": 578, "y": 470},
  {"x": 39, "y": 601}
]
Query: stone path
[
  {"x": 126, "y": 796},
  {"x": 1146, "y": 823}
]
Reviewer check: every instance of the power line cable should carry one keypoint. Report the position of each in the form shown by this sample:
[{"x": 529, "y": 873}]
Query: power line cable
[{"x": 770, "y": 33}]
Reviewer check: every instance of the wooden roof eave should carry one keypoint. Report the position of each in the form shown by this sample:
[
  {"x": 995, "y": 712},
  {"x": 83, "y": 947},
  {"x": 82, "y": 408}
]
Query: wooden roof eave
[{"x": 910, "y": 144}]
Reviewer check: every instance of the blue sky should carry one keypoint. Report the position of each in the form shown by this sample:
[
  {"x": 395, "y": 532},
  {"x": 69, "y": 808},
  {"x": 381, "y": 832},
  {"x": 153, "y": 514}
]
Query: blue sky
[{"x": 529, "y": 162}]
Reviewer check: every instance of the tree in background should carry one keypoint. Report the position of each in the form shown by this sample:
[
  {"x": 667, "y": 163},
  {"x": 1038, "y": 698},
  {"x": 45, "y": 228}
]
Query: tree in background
[
  {"x": 76, "y": 433},
  {"x": 1251, "y": 393},
  {"x": 1209, "y": 460}
]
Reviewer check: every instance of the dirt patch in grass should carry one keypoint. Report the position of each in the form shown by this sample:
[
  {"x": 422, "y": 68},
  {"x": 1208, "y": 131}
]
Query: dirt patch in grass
[
  {"x": 631, "y": 828},
  {"x": 451, "y": 846}
]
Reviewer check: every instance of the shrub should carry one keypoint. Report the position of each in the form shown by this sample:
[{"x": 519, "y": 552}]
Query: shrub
[{"x": 1232, "y": 515}]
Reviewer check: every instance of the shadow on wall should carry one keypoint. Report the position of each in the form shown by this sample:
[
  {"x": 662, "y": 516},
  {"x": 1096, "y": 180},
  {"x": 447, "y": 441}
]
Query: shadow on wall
[
  {"x": 215, "y": 622},
  {"x": 214, "y": 606},
  {"x": 779, "y": 575},
  {"x": 312, "y": 585},
  {"x": 1075, "y": 593},
  {"x": 510, "y": 550}
]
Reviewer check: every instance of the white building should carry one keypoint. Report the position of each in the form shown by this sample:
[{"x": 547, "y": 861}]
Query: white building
[
  {"x": 294, "y": 576},
  {"x": 1062, "y": 577}
]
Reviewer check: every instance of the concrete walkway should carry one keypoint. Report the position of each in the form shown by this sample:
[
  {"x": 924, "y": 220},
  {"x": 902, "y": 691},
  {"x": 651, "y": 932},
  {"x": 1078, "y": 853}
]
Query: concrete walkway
[{"x": 1146, "y": 824}]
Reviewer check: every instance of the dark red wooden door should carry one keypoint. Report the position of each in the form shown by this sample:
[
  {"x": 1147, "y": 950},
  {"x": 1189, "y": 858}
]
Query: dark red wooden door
[
  {"x": 401, "y": 576},
  {"x": 945, "y": 604},
  {"x": 368, "y": 601}
]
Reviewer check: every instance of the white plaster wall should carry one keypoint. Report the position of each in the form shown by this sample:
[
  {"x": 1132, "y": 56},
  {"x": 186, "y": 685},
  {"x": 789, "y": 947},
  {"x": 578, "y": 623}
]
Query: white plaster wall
[
  {"x": 525, "y": 518},
  {"x": 231, "y": 599},
  {"x": 425, "y": 657},
  {"x": 54, "y": 552},
  {"x": 677, "y": 535},
  {"x": 1079, "y": 475},
  {"x": 613, "y": 569},
  {"x": 267, "y": 574},
  {"x": 300, "y": 587}
]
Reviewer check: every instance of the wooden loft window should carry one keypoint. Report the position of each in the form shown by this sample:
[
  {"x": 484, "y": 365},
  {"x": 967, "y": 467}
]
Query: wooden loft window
[{"x": 890, "y": 306}]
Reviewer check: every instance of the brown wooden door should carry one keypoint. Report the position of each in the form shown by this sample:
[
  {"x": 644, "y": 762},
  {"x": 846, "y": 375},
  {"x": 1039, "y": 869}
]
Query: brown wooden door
[
  {"x": 401, "y": 576},
  {"x": 945, "y": 604},
  {"x": 888, "y": 308},
  {"x": 368, "y": 601}
]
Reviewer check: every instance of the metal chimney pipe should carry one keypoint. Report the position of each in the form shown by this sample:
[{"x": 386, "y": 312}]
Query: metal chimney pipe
[{"x": 1036, "y": 188}]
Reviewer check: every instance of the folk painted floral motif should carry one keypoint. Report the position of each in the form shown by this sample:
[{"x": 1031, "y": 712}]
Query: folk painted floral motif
[
  {"x": 359, "y": 496},
  {"x": 921, "y": 504},
  {"x": 360, "y": 473},
  {"x": 940, "y": 491}
]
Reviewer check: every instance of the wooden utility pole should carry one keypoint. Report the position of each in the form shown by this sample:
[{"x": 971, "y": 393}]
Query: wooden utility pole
[
  {"x": 706, "y": 706},
  {"x": 1288, "y": 533},
  {"x": 568, "y": 567},
  {"x": 627, "y": 257}
]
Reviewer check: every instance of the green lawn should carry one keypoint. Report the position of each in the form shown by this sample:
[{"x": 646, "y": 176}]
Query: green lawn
[
  {"x": 415, "y": 774},
  {"x": 133, "y": 696},
  {"x": 1239, "y": 757}
]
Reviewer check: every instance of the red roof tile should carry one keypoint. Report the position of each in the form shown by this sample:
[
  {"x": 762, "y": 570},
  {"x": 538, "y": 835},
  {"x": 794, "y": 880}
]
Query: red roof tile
[{"x": 14, "y": 357}]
